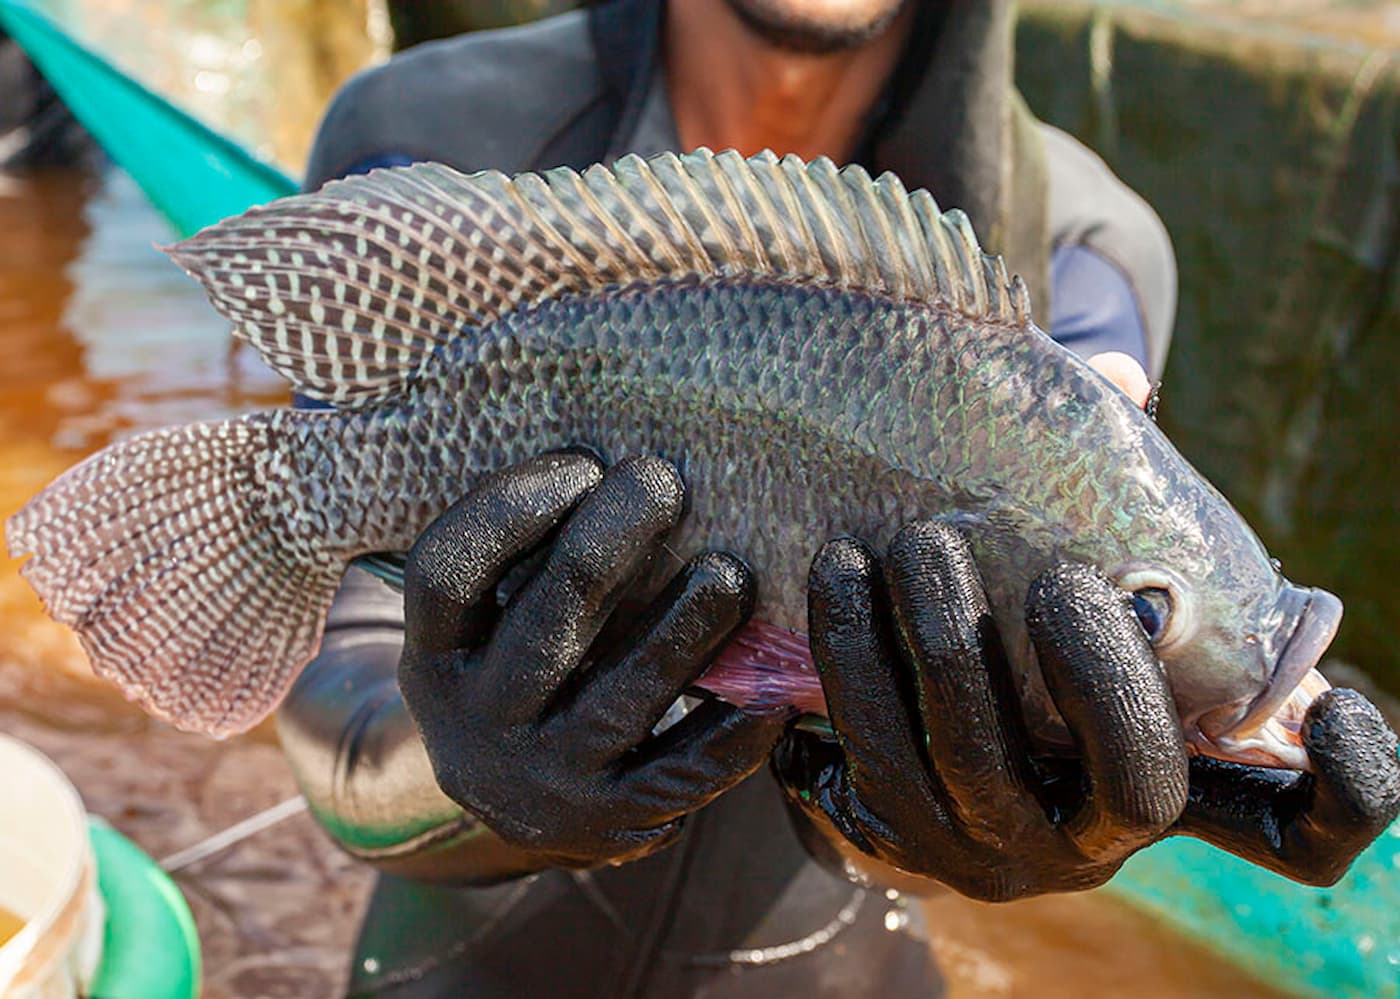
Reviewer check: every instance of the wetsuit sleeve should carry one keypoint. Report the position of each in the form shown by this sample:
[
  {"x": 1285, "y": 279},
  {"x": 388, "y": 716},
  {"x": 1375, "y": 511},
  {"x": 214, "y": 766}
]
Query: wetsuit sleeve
[
  {"x": 1112, "y": 270},
  {"x": 517, "y": 98},
  {"x": 339, "y": 147},
  {"x": 359, "y": 760}
]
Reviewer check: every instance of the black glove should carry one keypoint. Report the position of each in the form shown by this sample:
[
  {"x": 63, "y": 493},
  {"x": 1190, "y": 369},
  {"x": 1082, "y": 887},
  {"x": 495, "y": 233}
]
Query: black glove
[
  {"x": 529, "y": 725},
  {"x": 934, "y": 775},
  {"x": 1308, "y": 827}
]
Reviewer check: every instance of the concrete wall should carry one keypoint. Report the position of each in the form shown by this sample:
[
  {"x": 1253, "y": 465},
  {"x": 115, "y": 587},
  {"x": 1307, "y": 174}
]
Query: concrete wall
[{"x": 1271, "y": 154}]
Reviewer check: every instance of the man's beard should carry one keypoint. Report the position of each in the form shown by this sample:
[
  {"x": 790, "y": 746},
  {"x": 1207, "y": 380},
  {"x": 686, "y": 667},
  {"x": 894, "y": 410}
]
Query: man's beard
[{"x": 780, "y": 27}]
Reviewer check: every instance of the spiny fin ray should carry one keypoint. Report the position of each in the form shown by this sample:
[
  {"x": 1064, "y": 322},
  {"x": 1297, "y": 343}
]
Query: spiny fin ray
[{"x": 348, "y": 290}]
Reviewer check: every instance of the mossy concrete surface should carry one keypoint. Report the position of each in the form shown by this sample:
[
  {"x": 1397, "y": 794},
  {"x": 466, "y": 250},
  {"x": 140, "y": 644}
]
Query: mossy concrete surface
[
  {"x": 1270, "y": 152},
  {"x": 415, "y": 22},
  {"x": 1269, "y": 147}
]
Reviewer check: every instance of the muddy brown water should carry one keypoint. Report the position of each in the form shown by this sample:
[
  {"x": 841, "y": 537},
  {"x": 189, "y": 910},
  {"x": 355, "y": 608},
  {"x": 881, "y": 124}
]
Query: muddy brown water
[{"x": 101, "y": 336}]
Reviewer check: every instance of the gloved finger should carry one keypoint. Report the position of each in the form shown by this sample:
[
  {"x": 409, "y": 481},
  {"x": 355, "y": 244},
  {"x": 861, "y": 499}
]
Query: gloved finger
[
  {"x": 1111, "y": 690},
  {"x": 622, "y": 698},
  {"x": 626, "y": 845},
  {"x": 696, "y": 760},
  {"x": 811, "y": 770},
  {"x": 616, "y": 840},
  {"x": 462, "y": 554},
  {"x": 854, "y": 654},
  {"x": 1356, "y": 771},
  {"x": 969, "y": 709},
  {"x": 549, "y": 624},
  {"x": 1308, "y": 827},
  {"x": 806, "y": 761}
]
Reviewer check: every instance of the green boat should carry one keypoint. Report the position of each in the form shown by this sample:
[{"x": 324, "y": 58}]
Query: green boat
[{"x": 1342, "y": 941}]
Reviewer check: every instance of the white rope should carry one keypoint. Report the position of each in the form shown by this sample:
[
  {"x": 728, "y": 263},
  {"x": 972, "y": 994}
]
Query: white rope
[{"x": 233, "y": 835}]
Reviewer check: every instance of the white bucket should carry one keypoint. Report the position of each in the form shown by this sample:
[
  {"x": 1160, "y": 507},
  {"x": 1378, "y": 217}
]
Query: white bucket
[{"x": 48, "y": 878}]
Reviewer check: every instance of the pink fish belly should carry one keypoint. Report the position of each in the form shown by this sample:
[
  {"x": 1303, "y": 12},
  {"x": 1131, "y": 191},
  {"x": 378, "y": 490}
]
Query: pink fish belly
[{"x": 765, "y": 667}]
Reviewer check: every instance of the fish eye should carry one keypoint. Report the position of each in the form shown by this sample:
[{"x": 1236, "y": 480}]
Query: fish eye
[
  {"x": 1153, "y": 607},
  {"x": 1162, "y": 602}
]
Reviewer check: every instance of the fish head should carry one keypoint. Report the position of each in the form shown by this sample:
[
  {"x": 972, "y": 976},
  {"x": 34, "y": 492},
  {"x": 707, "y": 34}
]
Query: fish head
[{"x": 1239, "y": 643}]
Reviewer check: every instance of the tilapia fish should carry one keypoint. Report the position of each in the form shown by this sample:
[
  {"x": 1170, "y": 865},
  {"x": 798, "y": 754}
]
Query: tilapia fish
[{"x": 820, "y": 353}]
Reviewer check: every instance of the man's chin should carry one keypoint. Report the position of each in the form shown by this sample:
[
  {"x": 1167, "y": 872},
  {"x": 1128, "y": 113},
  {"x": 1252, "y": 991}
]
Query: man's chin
[{"x": 817, "y": 27}]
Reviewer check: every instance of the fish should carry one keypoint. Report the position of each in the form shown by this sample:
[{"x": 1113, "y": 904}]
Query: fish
[{"x": 819, "y": 352}]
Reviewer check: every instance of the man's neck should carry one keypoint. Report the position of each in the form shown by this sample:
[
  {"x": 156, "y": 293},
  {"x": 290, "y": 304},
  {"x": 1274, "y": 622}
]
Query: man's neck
[{"x": 731, "y": 89}]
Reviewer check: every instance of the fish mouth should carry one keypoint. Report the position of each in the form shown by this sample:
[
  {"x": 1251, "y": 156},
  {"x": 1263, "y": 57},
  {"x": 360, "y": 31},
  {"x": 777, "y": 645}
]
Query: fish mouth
[{"x": 1269, "y": 731}]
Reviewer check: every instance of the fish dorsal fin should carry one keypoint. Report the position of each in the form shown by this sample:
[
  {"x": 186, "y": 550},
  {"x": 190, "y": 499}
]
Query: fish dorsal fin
[{"x": 348, "y": 290}]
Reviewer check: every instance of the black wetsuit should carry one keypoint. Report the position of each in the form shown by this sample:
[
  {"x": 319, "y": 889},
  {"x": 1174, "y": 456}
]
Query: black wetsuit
[{"x": 737, "y": 907}]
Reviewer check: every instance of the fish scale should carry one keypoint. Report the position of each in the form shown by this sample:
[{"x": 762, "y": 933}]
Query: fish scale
[
  {"x": 893, "y": 445},
  {"x": 819, "y": 353}
]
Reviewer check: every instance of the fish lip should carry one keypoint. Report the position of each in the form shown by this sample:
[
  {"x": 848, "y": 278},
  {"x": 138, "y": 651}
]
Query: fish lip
[{"x": 1312, "y": 634}]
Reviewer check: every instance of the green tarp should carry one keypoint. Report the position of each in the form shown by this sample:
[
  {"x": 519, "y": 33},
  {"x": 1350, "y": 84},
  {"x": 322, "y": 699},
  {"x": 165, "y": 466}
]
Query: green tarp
[{"x": 194, "y": 175}]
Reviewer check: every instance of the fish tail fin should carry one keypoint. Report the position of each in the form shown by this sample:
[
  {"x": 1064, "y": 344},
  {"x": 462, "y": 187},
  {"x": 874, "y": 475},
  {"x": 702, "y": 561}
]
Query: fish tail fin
[{"x": 164, "y": 556}]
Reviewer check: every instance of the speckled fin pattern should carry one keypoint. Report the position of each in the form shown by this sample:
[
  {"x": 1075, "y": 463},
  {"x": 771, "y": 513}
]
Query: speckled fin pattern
[
  {"x": 347, "y": 291},
  {"x": 158, "y": 552}
]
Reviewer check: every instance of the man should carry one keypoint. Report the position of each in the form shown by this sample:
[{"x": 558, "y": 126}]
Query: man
[{"x": 516, "y": 751}]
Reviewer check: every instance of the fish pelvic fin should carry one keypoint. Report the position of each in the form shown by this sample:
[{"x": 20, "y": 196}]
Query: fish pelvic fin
[
  {"x": 349, "y": 290},
  {"x": 160, "y": 553}
]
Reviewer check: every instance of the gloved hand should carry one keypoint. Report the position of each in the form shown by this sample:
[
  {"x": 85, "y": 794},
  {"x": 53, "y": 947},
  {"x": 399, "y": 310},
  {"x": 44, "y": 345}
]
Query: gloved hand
[
  {"x": 531, "y": 726},
  {"x": 933, "y": 774},
  {"x": 1308, "y": 827}
]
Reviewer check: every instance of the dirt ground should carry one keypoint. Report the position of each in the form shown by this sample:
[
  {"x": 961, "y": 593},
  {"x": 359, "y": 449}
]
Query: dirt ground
[{"x": 277, "y": 913}]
